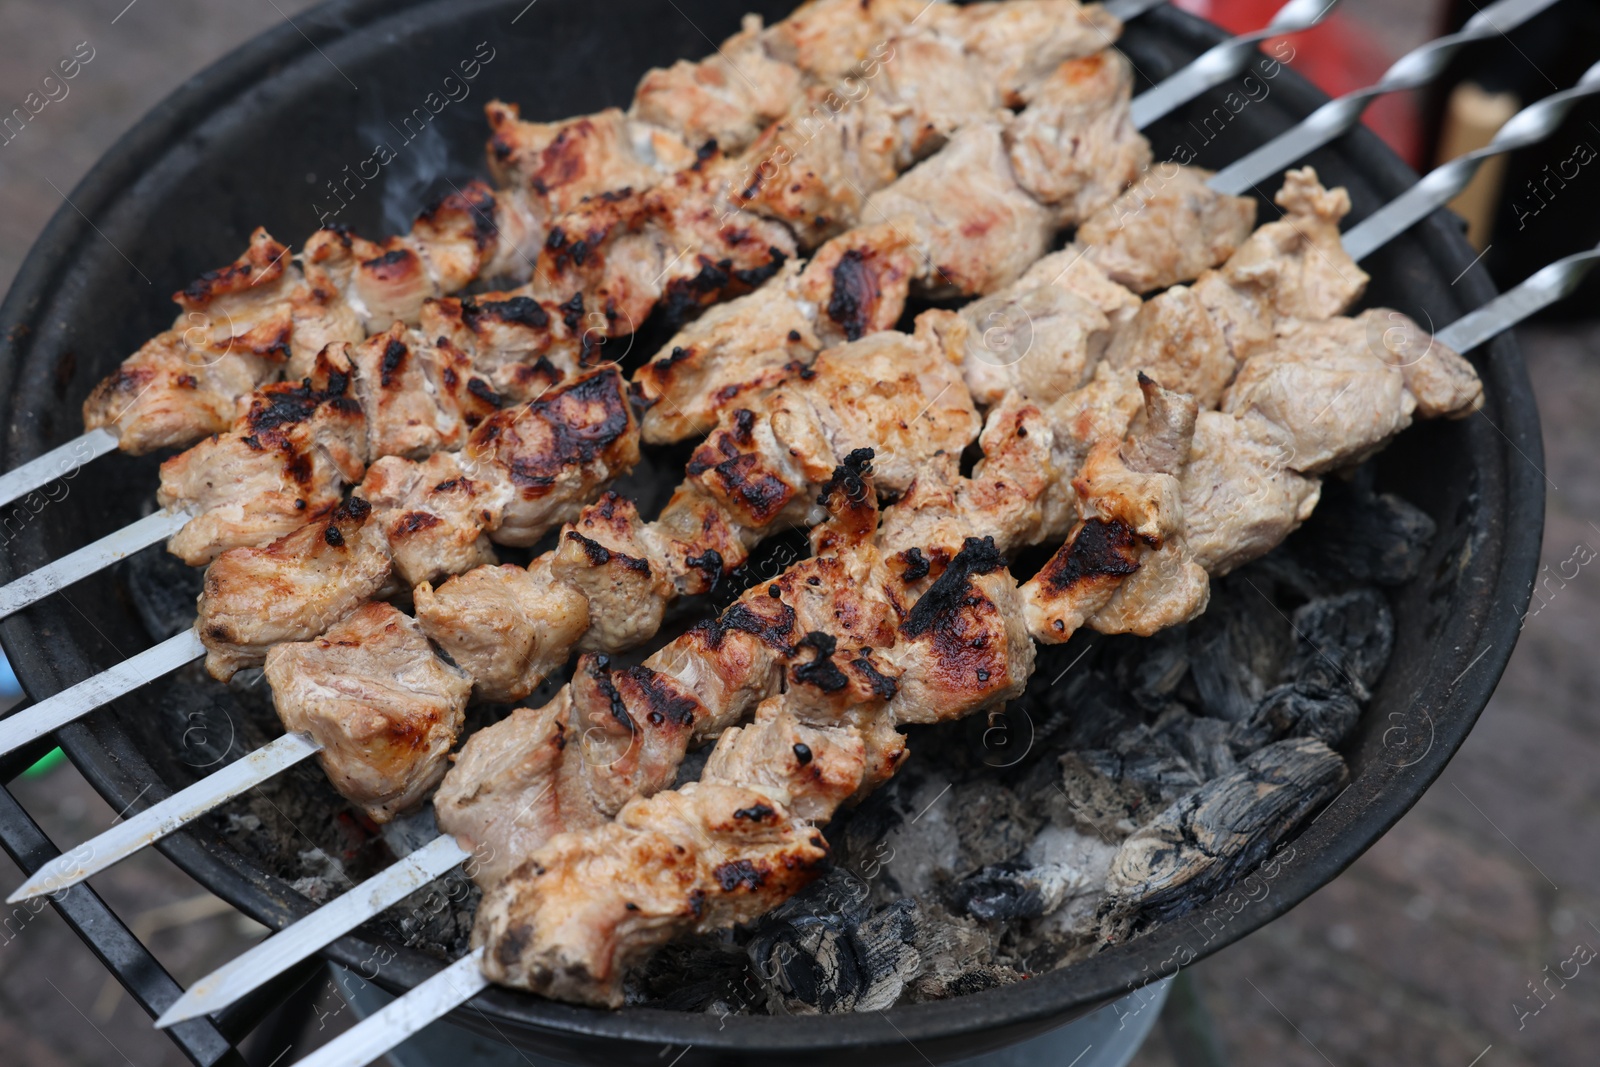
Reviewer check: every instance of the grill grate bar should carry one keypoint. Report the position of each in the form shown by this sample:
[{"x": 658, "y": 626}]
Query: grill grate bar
[{"x": 111, "y": 941}]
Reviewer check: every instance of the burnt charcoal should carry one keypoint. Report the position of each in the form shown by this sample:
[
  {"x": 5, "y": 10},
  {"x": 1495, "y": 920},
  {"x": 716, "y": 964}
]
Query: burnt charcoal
[
  {"x": 1358, "y": 537},
  {"x": 695, "y": 974},
  {"x": 1344, "y": 645},
  {"x": 1238, "y": 648},
  {"x": 1112, "y": 791},
  {"x": 825, "y": 952},
  {"x": 1349, "y": 636},
  {"x": 1306, "y": 710},
  {"x": 163, "y": 589},
  {"x": 1154, "y": 672},
  {"x": 1206, "y": 744},
  {"x": 1090, "y": 698},
  {"x": 1203, "y": 841},
  {"x": 693, "y": 763},
  {"x": 1014, "y": 890}
]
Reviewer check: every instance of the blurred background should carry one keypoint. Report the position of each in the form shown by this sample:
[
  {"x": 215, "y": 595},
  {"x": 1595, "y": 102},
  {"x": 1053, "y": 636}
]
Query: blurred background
[{"x": 1426, "y": 951}]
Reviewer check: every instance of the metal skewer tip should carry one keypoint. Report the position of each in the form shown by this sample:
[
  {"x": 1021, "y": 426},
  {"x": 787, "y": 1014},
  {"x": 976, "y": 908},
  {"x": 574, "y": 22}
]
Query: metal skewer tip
[
  {"x": 52, "y": 713},
  {"x": 157, "y": 821},
  {"x": 302, "y": 939}
]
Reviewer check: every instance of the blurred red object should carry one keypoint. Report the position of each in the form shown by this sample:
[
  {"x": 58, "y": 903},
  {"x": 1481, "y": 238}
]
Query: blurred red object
[{"x": 1337, "y": 56}]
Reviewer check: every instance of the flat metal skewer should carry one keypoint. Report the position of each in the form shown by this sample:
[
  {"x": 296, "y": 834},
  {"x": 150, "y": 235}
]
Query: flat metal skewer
[
  {"x": 60, "y": 462},
  {"x": 1221, "y": 62},
  {"x": 1411, "y": 71},
  {"x": 383, "y": 1030},
  {"x": 328, "y": 923},
  {"x": 159, "y": 820},
  {"x": 75, "y": 566},
  {"x": 54, "y": 712}
]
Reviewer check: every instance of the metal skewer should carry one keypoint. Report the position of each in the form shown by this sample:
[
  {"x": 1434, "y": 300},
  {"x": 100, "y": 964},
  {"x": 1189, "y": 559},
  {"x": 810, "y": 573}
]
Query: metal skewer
[
  {"x": 451, "y": 988},
  {"x": 382, "y": 1031},
  {"x": 59, "y": 462},
  {"x": 54, "y": 712},
  {"x": 1529, "y": 126},
  {"x": 1413, "y": 70},
  {"x": 78, "y": 565},
  {"x": 331, "y": 921},
  {"x": 1221, "y": 62}
]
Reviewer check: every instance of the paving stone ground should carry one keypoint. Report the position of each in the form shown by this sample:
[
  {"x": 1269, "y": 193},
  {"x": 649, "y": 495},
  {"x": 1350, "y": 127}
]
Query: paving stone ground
[{"x": 1421, "y": 954}]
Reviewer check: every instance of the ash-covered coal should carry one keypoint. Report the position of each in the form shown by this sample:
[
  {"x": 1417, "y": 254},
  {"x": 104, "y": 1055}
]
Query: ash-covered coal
[{"x": 1205, "y": 840}]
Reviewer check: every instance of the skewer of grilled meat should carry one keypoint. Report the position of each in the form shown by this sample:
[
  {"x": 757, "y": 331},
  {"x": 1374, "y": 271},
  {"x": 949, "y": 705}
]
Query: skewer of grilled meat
[{"x": 241, "y": 324}]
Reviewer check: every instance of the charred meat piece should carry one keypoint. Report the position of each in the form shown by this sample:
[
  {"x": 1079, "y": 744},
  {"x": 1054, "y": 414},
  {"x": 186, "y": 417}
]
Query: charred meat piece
[
  {"x": 291, "y": 590},
  {"x": 294, "y": 449}
]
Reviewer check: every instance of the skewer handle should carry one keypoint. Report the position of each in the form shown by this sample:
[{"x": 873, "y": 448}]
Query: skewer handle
[
  {"x": 1514, "y": 305},
  {"x": 1413, "y": 70},
  {"x": 1529, "y": 126},
  {"x": 242, "y": 976},
  {"x": 60, "y": 462},
  {"x": 75, "y": 566},
  {"x": 159, "y": 820},
  {"x": 54, "y": 712},
  {"x": 1221, "y": 62}
]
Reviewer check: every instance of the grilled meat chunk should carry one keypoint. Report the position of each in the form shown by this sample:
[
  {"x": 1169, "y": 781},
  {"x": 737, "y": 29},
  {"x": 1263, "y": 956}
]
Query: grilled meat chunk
[
  {"x": 972, "y": 225},
  {"x": 236, "y": 331},
  {"x": 1074, "y": 148},
  {"x": 552, "y": 454},
  {"x": 384, "y": 707},
  {"x": 572, "y": 920},
  {"x": 294, "y": 449},
  {"x": 1166, "y": 228},
  {"x": 509, "y": 627},
  {"x": 292, "y": 589}
]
